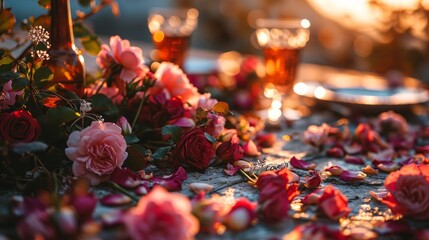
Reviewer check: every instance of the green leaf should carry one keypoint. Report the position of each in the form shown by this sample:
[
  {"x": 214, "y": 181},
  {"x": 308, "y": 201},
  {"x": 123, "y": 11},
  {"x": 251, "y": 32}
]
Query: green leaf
[
  {"x": 210, "y": 138},
  {"x": 19, "y": 83},
  {"x": 5, "y": 62},
  {"x": 104, "y": 105},
  {"x": 43, "y": 74},
  {"x": 174, "y": 131},
  {"x": 8, "y": 75},
  {"x": 61, "y": 114},
  {"x": 7, "y": 21},
  {"x": 131, "y": 138},
  {"x": 91, "y": 44},
  {"x": 21, "y": 148},
  {"x": 79, "y": 30},
  {"x": 161, "y": 152}
]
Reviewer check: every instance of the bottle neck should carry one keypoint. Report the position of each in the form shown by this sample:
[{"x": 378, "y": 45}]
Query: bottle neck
[{"x": 61, "y": 25}]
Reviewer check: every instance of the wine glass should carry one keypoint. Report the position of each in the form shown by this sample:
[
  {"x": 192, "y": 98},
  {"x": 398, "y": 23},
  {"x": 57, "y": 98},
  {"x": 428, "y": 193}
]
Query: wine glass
[
  {"x": 171, "y": 30},
  {"x": 281, "y": 41}
]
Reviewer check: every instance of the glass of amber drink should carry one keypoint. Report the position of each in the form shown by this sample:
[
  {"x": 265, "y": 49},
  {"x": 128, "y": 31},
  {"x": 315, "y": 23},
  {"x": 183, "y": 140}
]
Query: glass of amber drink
[
  {"x": 171, "y": 31},
  {"x": 281, "y": 41}
]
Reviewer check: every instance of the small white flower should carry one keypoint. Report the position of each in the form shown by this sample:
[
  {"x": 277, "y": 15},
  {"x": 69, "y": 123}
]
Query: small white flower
[
  {"x": 85, "y": 106},
  {"x": 38, "y": 34}
]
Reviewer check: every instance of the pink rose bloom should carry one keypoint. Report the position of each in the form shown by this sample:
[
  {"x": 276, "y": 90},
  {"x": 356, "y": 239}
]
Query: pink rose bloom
[
  {"x": 96, "y": 151},
  {"x": 161, "y": 215},
  {"x": 174, "y": 82},
  {"x": 111, "y": 92},
  {"x": 121, "y": 52},
  {"x": 409, "y": 191},
  {"x": 316, "y": 135},
  {"x": 8, "y": 96}
]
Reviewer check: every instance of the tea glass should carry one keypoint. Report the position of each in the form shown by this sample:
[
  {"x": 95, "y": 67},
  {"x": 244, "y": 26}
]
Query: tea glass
[{"x": 171, "y": 30}]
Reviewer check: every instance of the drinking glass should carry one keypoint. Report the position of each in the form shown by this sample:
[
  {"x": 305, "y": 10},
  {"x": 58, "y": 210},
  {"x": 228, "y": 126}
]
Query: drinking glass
[
  {"x": 171, "y": 31},
  {"x": 281, "y": 41}
]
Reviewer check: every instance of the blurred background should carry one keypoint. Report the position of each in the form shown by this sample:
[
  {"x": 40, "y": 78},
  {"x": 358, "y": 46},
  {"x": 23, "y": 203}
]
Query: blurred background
[{"x": 382, "y": 36}]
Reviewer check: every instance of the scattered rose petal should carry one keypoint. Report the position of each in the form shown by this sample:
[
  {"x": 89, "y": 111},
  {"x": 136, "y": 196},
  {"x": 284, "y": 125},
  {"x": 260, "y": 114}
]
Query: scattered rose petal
[
  {"x": 200, "y": 187},
  {"x": 352, "y": 176},
  {"x": 335, "y": 152},
  {"x": 334, "y": 170},
  {"x": 113, "y": 200},
  {"x": 376, "y": 162},
  {"x": 172, "y": 182},
  {"x": 125, "y": 178},
  {"x": 250, "y": 149},
  {"x": 353, "y": 148},
  {"x": 417, "y": 159},
  {"x": 379, "y": 196},
  {"x": 369, "y": 170},
  {"x": 354, "y": 160},
  {"x": 312, "y": 181},
  {"x": 388, "y": 167},
  {"x": 142, "y": 190},
  {"x": 243, "y": 164},
  {"x": 313, "y": 197},
  {"x": 333, "y": 203},
  {"x": 385, "y": 155},
  {"x": 231, "y": 170},
  {"x": 300, "y": 164}
]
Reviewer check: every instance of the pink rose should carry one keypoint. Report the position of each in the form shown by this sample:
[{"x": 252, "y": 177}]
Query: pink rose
[
  {"x": 174, "y": 82},
  {"x": 96, "y": 151},
  {"x": 333, "y": 203},
  {"x": 409, "y": 191},
  {"x": 121, "y": 52},
  {"x": 161, "y": 215},
  {"x": 8, "y": 96}
]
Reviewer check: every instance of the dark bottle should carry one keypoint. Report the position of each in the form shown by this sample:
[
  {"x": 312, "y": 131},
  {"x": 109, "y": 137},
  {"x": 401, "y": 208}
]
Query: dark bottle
[{"x": 66, "y": 61}]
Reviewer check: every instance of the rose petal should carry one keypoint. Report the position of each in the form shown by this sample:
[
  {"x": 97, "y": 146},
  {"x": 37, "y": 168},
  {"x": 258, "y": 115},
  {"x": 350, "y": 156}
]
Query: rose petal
[
  {"x": 335, "y": 152},
  {"x": 172, "y": 182},
  {"x": 313, "y": 197},
  {"x": 231, "y": 170},
  {"x": 354, "y": 160},
  {"x": 200, "y": 187},
  {"x": 142, "y": 190},
  {"x": 113, "y": 200},
  {"x": 353, "y": 149},
  {"x": 388, "y": 167},
  {"x": 300, "y": 164},
  {"x": 369, "y": 170},
  {"x": 379, "y": 196},
  {"x": 312, "y": 181},
  {"x": 334, "y": 170},
  {"x": 352, "y": 176},
  {"x": 250, "y": 149}
]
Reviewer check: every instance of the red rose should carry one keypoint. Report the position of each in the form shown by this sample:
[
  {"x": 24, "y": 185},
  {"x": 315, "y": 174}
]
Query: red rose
[
  {"x": 194, "y": 150},
  {"x": 409, "y": 191},
  {"x": 333, "y": 203},
  {"x": 18, "y": 126}
]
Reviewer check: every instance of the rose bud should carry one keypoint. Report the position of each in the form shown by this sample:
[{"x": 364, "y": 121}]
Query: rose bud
[
  {"x": 230, "y": 151},
  {"x": 125, "y": 125},
  {"x": 241, "y": 216}
]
